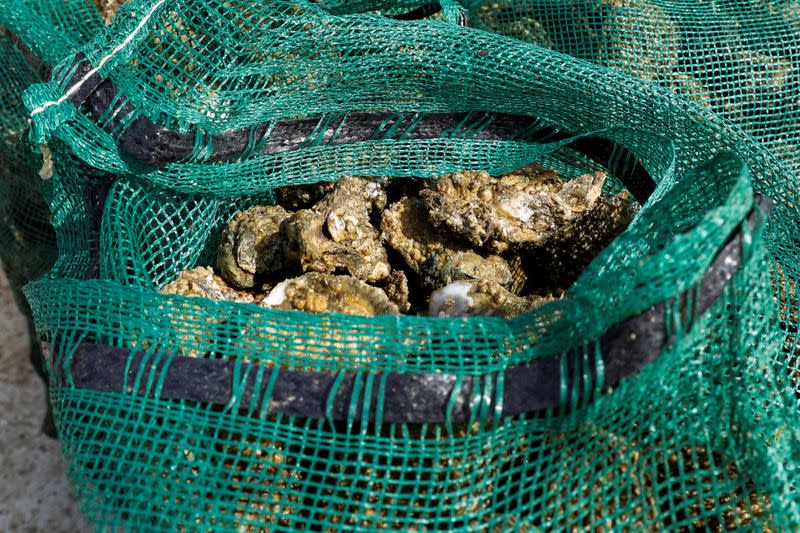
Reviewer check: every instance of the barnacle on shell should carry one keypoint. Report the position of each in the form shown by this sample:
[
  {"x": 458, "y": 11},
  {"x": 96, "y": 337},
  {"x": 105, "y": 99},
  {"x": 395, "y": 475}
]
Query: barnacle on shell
[
  {"x": 437, "y": 258},
  {"x": 336, "y": 234},
  {"x": 527, "y": 206},
  {"x": 479, "y": 298},
  {"x": 252, "y": 246},
  {"x": 326, "y": 293}
]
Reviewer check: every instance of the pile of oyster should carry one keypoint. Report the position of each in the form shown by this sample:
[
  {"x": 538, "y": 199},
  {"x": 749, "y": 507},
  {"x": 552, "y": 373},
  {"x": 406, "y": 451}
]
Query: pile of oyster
[{"x": 463, "y": 244}]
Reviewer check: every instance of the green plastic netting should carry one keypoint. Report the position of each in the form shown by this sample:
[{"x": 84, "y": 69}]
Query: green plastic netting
[
  {"x": 704, "y": 437},
  {"x": 28, "y": 246},
  {"x": 27, "y": 241}
]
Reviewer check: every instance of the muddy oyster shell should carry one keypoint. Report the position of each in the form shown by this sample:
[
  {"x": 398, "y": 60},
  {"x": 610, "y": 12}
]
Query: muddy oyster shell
[
  {"x": 202, "y": 281},
  {"x": 479, "y": 298},
  {"x": 527, "y": 206},
  {"x": 336, "y": 234},
  {"x": 252, "y": 246},
  {"x": 438, "y": 259},
  {"x": 326, "y": 293}
]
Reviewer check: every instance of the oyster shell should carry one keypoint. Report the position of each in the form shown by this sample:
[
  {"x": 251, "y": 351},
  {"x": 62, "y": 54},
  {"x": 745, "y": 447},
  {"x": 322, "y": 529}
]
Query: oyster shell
[
  {"x": 202, "y": 281},
  {"x": 559, "y": 263},
  {"x": 479, "y": 298},
  {"x": 108, "y": 8},
  {"x": 326, "y": 293},
  {"x": 336, "y": 234},
  {"x": 252, "y": 246},
  {"x": 622, "y": 45},
  {"x": 396, "y": 288},
  {"x": 526, "y": 206},
  {"x": 438, "y": 259}
]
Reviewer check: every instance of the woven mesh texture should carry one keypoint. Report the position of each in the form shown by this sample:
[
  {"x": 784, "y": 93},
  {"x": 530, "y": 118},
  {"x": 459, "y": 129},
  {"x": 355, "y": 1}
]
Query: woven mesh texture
[
  {"x": 27, "y": 240},
  {"x": 28, "y": 246},
  {"x": 702, "y": 438}
]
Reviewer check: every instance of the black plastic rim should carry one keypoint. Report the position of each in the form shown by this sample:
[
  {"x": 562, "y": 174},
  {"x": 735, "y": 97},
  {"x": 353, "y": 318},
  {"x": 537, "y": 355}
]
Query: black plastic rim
[{"x": 145, "y": 143}]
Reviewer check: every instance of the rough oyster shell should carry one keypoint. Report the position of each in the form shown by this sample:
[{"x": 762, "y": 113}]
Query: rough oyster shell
[
  {"x": 527, "y": 206},
  {"x": 559, "y": 263},
  {"x": 108, "y": 8},
  {"x": 396, "y": 288},
  {"x": 326, "y": 293},
  {"x": 252, "y": 246},
  {"x": 439, "y": 260},
  {"x": 479, "y": 298},
  {"x": 202, "y": 281},
  {"x": 336, "y": 234}
]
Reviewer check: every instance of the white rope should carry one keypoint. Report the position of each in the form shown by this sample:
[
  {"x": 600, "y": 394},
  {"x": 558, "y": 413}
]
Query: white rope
[{"x": 75, "y": 88}]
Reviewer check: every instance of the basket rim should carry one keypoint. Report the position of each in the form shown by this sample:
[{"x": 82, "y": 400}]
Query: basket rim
[{"x": 411, "y": 397}]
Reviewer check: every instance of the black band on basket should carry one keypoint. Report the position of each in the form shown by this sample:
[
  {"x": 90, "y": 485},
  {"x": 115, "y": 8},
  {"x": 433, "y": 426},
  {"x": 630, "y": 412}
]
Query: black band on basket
[{"x": 416, "y": 397}]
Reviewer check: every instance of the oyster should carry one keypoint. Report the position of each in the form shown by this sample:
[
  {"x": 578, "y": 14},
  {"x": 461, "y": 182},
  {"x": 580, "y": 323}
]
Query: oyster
[
  {"x": 559, "y": 263},
  {"x": 479, "y": 298},
  {"x": 625, "y": 43},
  {"x": 252, "y": 246},
  {"x": 202, "y": 281},
  {"x": 690, "y": 87},
  {"x": 326, "y": 293},
  {"x": 745, "y": 508},
  {"x": 437, "y": 259},
  {"x": 263, "y": 481},
  {"x": 336, "y": 234},
  {"x": 396, "y": 288},
  {"x": 526, "y": 206}
]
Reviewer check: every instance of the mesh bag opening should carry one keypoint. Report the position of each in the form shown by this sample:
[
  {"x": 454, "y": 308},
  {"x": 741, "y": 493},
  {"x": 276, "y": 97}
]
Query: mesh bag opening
[{"x": 700, "y": 438}]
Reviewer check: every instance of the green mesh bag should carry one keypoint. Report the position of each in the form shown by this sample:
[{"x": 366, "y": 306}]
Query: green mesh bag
[
  {"x": 27, "y": 240},
  {"x": 181, "y": 113},
  {"x": 740, "y": 59},
  {"x": 28, "y": 245}
]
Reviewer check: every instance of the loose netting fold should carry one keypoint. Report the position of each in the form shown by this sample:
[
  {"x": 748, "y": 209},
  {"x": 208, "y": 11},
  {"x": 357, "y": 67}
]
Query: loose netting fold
[
  {"x": 201, "y": 108},
  {"x": 740, "y": 59}
]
